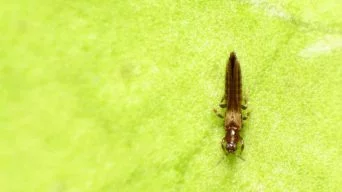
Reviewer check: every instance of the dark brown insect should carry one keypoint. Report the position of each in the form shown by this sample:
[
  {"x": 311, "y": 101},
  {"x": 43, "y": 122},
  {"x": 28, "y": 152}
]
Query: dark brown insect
[{"x": 232, "y": 100}]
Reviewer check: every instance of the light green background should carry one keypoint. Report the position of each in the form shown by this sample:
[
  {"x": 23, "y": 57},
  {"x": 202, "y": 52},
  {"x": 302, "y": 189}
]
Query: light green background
[{"x": 118, "y": 95}]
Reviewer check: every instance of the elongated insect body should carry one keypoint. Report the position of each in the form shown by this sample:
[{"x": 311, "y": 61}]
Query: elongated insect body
[
  {"x": 232, "y": 100},
  {"x": 233, "y": 84}
]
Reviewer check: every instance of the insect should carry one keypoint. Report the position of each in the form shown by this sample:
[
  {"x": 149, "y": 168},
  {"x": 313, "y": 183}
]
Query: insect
[{"x": 232, "y": 101}]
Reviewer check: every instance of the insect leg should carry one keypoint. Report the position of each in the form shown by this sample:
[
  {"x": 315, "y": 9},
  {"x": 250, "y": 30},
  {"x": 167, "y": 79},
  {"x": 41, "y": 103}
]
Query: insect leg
[
  {"x": 224, "y": 96},
  {"x": 217, "y": 113},
  {"x": 242, "y": 145},
  {"x": 223, "y": 105},
  {"x": 223, "y": 144},
  {"x": 245, "y": 117},
  {"x": 245, "y": 102}
]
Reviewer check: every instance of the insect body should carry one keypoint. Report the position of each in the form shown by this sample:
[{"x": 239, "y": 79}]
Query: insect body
[{"x": 232, "y": 101}]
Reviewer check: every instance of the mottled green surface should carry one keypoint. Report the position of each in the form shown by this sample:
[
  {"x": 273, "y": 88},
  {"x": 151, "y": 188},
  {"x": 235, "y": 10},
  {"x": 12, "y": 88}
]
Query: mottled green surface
[{"x": 118, "y": 96}]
